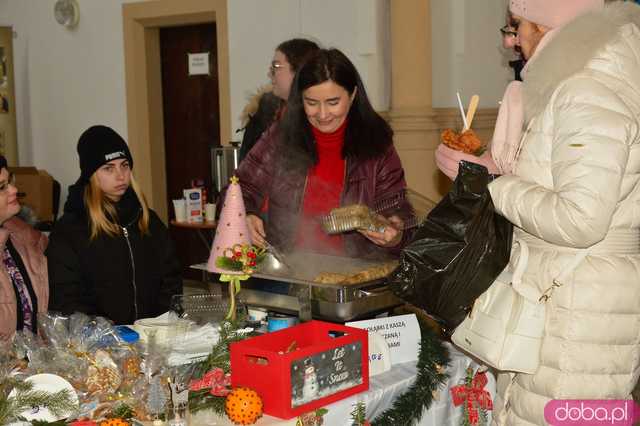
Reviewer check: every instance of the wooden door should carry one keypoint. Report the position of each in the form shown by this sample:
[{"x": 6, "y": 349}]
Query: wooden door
[{"x": 191, "y": 124}]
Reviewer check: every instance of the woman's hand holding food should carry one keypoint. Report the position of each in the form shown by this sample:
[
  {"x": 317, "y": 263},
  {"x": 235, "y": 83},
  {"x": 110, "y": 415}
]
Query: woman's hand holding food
[
  {"x": 447, "y": 160},
  {"x": 256, "y": 230},
  {"x": 390, "y": 236}
]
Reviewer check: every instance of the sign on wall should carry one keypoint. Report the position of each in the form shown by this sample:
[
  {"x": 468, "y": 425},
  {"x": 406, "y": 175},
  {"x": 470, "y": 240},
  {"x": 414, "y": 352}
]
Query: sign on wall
[{"x": 198, "y": 63}]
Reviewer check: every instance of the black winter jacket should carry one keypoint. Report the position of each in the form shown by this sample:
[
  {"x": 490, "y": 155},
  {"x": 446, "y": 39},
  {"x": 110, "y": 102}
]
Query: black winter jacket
[
  {"x": 122, "y": 278},
  {"x": 260, "y": 121}
]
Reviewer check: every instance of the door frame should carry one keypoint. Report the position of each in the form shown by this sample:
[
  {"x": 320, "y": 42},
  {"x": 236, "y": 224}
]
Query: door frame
[{"x": 143, "y": 83}]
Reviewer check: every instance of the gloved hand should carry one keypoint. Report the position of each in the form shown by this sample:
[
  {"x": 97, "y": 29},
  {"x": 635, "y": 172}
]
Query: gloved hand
[{"x": 447, "y": 160}]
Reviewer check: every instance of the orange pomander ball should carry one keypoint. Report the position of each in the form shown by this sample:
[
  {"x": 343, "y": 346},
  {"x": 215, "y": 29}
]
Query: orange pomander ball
[
  {"x": 114, "y": 422},
  {"x": 243, "y": 406}
]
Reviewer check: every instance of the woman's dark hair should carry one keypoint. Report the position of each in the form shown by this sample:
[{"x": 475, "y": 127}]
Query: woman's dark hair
[
  {"x": 367, "y": 134},
  {"x": 297, "y": 51}
]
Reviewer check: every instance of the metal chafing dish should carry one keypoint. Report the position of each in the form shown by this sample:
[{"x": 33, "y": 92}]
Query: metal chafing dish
[
  {"x": 309, "y": 299},
  {"x": 333, "y": 302}
]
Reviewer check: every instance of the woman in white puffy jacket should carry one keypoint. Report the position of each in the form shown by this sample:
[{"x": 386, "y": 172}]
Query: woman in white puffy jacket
[{"x": 574, "y": 186}]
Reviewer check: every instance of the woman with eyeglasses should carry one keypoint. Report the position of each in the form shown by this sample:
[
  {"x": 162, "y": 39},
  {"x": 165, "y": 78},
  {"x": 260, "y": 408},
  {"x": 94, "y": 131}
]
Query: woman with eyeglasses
[
  {"x": 110, "y": 254},
  {"x": 24, "y": 286},
  {"x": 331, "y": 149},
  {"x": 265, "y": 108},
  {"x": 510, "y": 41},
  {"x": 572, "y": 190}
]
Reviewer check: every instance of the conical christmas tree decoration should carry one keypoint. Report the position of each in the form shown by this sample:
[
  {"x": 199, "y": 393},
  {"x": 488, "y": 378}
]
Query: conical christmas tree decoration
[
  {"x": 232, "y": 254},
  {"x": 231, "y": 230}
]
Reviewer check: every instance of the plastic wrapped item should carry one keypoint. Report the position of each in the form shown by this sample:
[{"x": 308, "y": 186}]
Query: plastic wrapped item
[
  {"x": 54, "y": 329},
  {"x": 11, "y": 365},
  {"x": 407, "y": 205},
  {"x": 457, "y": 252},
  {"x": 350, "y": 218},
  {"x": 79, "y": 331},
  {"x": 179, "y": 379},
  {"x": 88, "y": 352},
  {"x": 103, "y": 375},
  {"x": 103, "y": 335},
  {"x": 25, "y": 344},
  {"x": 28, "y": 346}
]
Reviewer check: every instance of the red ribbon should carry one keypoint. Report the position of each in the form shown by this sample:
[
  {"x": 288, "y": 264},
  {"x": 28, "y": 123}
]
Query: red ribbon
[
  {"x": 216, "y": 380},
  {"x": 474, "y": 396}
]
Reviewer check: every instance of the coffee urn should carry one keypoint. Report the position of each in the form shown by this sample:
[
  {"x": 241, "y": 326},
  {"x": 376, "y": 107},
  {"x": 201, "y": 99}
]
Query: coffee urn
[{"x": 224, "y": 162}]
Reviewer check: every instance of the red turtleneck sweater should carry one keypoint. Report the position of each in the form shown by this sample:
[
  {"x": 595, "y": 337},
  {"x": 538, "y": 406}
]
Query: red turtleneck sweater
[{"x": 325, "y": 182}]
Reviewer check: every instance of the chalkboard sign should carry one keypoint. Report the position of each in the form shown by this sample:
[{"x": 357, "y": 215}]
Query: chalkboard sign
[{"x": 326, "y": 373}]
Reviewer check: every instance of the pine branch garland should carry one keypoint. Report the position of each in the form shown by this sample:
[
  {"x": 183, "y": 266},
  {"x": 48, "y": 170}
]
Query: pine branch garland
[
  {"x": 9, "y": 383},
  {"x": 203, "y": 400},
  {"x": 218, "y": 358},
  {"x": 229, "y": 264},
  {"x": 122, "y": 411},
  {"x": 358, "y": 415},
  {"x": 407, "y": 409},
  {"x": 57, "y": 403}
]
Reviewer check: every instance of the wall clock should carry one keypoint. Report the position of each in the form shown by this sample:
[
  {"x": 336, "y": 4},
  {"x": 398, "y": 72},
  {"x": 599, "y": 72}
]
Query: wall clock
[{"x": 67, "y": 13}]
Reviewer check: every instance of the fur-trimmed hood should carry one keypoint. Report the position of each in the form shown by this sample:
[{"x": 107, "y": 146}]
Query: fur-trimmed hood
[
  {"x": 253, "y": 103},
  {"x": 571, "y": 49}
]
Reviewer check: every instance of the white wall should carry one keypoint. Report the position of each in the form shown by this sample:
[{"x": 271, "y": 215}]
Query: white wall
[
  {"x": 65, "y": 80},
  {"x": 357, "y": 27},
  {"x": 467, "y": 51}
]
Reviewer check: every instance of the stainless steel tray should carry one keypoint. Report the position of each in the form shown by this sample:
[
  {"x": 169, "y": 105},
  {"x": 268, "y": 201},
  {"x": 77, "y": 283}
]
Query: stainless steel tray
[{"x": 308, "y": 299}]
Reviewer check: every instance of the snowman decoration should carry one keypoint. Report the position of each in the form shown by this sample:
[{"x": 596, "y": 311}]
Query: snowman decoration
[{"x": 310, "y": 383}]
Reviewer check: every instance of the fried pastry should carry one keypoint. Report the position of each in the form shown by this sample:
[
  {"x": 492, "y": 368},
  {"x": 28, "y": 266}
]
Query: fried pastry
[
  {"x": 369, "y": 274},
  {"x": 467, "y": 141}
]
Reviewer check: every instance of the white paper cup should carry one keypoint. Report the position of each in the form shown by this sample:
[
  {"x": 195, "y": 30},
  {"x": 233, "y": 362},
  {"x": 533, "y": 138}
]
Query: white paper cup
[
  {"x": 257, "y": 314},
  {"x": 180, "y": 209},
  {"x": 210, "y": 212}
]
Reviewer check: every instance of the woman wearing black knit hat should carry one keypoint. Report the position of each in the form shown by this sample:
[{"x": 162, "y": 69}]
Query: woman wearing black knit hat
[{"x": 109, "y": 254}]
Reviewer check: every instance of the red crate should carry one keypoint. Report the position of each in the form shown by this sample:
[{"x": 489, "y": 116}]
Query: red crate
[{"x": 330, "y": 362}]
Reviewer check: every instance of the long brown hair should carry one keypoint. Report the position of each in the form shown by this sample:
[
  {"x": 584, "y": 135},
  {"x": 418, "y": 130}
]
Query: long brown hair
[
  {"x": 102, "y": 211},
  {"x": 367, "y": 135},
  {"x": 297, "y": 51}
]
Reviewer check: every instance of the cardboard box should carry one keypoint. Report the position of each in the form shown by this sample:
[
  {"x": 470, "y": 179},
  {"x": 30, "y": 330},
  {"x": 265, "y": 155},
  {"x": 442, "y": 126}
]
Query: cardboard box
[
  {"x": 35, "y": 189},
  {"x": 304, "y": 367}
]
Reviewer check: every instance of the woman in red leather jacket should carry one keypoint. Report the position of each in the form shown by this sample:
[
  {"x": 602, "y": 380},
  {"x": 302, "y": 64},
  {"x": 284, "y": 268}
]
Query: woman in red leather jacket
[{"x": 331, "y": 149}]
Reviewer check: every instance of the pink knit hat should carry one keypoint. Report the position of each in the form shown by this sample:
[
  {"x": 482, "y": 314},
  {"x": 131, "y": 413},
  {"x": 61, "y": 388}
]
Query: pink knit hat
[{"x": 552, "y": 13}]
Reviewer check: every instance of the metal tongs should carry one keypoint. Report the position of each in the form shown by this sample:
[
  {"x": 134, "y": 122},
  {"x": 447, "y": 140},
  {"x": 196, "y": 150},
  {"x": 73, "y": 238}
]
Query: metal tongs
[{"x": 276, "y": 254}]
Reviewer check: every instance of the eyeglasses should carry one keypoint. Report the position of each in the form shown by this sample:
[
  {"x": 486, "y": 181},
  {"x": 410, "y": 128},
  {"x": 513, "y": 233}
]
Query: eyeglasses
[
  {"x": 4, "y": 185},
  {"x": 508, "y": 31},
  {"x": 275, "y": 66}
]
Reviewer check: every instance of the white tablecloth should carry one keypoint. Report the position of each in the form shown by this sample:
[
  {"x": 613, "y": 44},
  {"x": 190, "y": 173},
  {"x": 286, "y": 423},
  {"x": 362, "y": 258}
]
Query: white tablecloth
[{"x": 383, "y": 389}]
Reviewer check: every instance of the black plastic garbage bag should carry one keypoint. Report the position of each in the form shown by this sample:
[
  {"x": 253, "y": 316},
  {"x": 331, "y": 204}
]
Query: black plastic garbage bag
[{"x": 457, "y": 252}]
